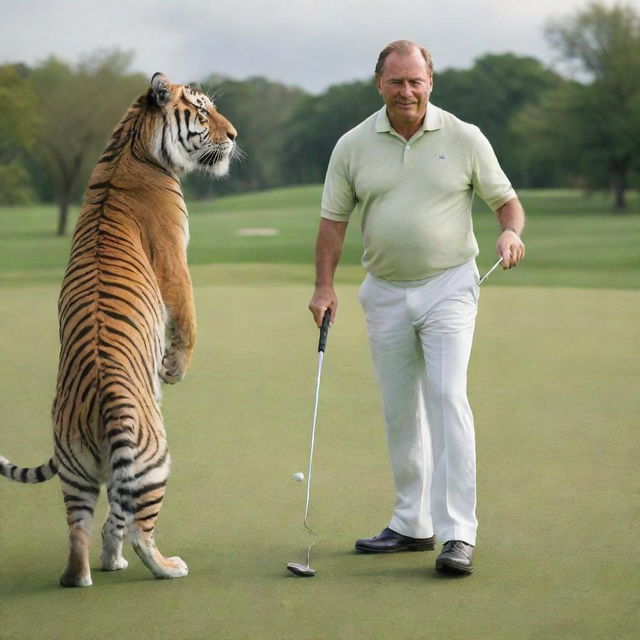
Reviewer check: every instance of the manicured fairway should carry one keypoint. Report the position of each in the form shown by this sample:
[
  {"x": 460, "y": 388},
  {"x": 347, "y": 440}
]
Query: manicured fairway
[
  {"x": 571, "y": 240},
  {"x": 554, "y": 386}
]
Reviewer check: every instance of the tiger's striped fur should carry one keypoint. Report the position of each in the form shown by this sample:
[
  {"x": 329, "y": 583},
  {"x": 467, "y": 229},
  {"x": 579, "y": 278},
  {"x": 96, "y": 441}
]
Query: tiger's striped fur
[{"x": 127, "y": 321}]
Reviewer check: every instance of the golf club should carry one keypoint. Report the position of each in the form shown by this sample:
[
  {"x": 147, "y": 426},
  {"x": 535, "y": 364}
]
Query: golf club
[
  {"x": 297, "y": 568},
  {"x": 486, "y": 275}
]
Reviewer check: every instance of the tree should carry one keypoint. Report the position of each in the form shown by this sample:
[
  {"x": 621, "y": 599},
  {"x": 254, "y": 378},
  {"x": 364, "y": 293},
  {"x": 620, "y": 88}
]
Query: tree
[
  {"x": 260, "y": 111},
  {"x": 19, "y": 123},
  {"x": 490, "y": 95},
  {"x": 602, "y": 117},
  {"x": 318, "y": 122},
  {"x": 79, "y": 107}
]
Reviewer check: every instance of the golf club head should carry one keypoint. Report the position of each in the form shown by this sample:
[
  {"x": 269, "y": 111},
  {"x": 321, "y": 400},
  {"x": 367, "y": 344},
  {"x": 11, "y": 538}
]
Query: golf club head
[{"x": 302, "y": 570}]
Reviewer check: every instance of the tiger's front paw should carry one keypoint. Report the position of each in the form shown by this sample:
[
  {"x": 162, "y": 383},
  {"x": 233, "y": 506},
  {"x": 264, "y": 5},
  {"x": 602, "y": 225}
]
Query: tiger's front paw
[{"x": 174, "y": 366}]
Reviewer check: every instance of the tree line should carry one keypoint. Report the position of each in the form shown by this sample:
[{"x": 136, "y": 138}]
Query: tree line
[{"x": 547, "y": 130}]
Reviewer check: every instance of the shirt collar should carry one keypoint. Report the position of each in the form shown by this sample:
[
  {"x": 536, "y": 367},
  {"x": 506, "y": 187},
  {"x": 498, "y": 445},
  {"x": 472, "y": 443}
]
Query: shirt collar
[{"x": 432, "y": 120}]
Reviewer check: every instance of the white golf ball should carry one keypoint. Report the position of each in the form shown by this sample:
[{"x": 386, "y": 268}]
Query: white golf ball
[{"x": 298, "y": 477}]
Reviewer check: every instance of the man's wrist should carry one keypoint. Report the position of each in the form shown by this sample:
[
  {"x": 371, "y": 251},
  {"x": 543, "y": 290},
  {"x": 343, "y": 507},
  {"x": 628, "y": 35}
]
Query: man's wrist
[{"x": 508, "y": 228}]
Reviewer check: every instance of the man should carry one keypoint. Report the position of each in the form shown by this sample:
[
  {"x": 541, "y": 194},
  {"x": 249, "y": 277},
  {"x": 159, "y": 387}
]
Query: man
[{"x": 413, "y": 169}]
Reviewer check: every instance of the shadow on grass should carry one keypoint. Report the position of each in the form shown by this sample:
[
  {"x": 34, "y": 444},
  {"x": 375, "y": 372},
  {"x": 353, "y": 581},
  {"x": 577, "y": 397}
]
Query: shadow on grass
[{"x": 386, "y": 566}]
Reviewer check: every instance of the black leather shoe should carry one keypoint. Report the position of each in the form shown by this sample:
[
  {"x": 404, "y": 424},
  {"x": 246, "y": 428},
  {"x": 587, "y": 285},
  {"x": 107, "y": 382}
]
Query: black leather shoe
[
  {"x": 456, "y": 557},
  {"x": 389, "y": 541}
]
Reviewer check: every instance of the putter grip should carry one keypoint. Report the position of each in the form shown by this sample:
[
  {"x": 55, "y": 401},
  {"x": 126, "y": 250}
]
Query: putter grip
[{"x": 324, "y": 331}]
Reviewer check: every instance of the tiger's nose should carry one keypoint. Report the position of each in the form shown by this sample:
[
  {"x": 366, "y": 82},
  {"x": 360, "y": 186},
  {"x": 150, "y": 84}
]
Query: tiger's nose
[{"x": 232, "y": 135}]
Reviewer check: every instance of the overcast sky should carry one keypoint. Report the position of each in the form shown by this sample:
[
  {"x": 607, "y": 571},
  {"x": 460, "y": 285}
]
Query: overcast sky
[{"x": 307, "y": 43}]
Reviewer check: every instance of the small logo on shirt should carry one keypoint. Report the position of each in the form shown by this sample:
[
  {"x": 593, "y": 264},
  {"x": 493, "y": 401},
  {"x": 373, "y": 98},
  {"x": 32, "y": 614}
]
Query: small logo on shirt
[{"x": 442, "y": 157}]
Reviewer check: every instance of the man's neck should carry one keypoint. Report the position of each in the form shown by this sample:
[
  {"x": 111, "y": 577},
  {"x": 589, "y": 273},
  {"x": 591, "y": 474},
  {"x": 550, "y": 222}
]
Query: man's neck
[{"x": 407, "y": 129}]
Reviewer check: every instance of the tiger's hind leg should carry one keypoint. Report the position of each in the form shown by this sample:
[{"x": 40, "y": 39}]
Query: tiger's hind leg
[
  {"x": 146, "y": 500},
  {"x": 141, "y": 535},
  {"x": 80, "y": 497},
  {"x": 136, "y": 493},
  {"x": 113, "y": 532},
  {"x": 138, "y": 476}
]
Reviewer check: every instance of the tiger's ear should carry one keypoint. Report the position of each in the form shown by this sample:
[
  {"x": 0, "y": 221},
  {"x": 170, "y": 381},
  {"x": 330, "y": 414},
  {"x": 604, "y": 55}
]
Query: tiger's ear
[{"x": 161, "y": 87}]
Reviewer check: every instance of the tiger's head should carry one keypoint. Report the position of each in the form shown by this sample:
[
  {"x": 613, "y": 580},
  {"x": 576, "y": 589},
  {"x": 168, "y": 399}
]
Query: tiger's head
[{"x": 193, "y": 134}]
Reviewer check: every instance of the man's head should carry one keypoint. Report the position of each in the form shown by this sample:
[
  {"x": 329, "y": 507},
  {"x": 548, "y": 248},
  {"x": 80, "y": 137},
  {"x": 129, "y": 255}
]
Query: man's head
[
  {"x": 404, "y": 77},
  {"x": 405, "y": 48}
]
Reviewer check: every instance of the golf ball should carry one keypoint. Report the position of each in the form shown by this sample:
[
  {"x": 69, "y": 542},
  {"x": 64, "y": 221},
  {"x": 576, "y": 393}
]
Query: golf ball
[{"x": 298, "y": 477}]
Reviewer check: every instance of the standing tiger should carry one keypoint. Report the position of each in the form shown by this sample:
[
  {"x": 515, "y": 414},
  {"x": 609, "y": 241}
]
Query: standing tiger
[{"x": 126, "y": 321}]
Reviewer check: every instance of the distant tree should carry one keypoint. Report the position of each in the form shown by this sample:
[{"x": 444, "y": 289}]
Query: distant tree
[
  {"x": 19, "y": 124},
  {"x": 490, "y": 95},
  {"x": 601, "y": 118},
  {"x": 260, "y": 111},
  {"x": 548, "y": 142},
  {"x": 79, "y": 107},
  {"x": 317, "y": 124}
]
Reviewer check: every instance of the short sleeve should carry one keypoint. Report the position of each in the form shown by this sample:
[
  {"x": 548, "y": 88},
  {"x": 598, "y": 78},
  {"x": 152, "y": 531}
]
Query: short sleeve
[
  {"x": 338, "y": 196},
  {"x": 488, "y": 178}
]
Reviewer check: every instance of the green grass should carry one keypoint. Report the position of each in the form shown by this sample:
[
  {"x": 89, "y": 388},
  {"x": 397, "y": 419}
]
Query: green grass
[
  {"x": 554, "y": 386},
  {"x": 572, "y": 241}
]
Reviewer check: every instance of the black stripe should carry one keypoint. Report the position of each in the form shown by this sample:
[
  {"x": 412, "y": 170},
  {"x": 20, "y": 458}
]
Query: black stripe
[
  {"x": 69, "y": 462},
  {"x": 157, "y": 464},
  {"x": 73, "y": 507},
  {"x": 121, "y": 444},
  {"x": 148, "y": 488},
  {"x": 123, "y": 462},
  {"x": 119, "y": 407},
  {"x": 116, "y": 431},
  {"x": 80, "y": 487},
  {"x": 121, "y": 318},
  {"x": 149, "y": 503},
  {"x": 153, "y": 515}
]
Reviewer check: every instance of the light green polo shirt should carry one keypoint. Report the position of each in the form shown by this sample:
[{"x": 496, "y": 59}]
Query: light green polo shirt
[{"x": 415, "y": 196}]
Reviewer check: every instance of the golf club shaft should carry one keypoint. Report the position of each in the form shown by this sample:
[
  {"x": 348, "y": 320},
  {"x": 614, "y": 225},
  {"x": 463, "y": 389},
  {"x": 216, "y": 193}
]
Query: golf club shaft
[
  {"x": 313, "y": 440},
  {"x": 486, "y": 275},
  {"x": 322, "y": 345}
]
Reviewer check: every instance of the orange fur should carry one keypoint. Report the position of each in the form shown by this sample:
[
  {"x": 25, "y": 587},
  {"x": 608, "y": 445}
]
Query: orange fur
[{"x": 127, "y": 320}]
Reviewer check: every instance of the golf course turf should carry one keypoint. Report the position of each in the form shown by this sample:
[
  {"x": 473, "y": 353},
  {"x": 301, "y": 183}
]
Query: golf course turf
[{"x": 554, "y": 387}]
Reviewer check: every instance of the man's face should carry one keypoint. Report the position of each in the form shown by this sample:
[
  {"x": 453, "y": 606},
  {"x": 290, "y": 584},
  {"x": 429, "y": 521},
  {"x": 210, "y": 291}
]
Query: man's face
[{"x": 405, "y": 85}]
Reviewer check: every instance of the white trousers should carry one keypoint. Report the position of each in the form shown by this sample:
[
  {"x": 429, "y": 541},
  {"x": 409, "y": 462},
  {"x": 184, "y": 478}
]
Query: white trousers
[{"x": 420, "y": 338}]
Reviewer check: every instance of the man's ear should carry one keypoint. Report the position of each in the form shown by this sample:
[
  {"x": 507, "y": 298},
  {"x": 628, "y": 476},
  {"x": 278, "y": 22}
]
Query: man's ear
[
  {"x": 379, "y": 84},
  {"x": 161, "y": 88}
]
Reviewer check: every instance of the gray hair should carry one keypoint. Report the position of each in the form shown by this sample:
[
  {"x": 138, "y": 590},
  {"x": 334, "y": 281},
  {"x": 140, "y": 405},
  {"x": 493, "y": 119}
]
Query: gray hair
[{"x": 405, "y": 48}]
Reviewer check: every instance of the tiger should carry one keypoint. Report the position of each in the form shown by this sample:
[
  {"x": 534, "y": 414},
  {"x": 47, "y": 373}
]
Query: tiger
[{"x": 126, "y": 323}]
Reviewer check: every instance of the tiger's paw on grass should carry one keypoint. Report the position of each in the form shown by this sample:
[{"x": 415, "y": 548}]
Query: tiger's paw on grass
[
  {"x": 113, "y": 564},
  {"x": 174, "y": 366},
  {"x": 71, "y": 580},
  {"x": 175, "y": 568}
]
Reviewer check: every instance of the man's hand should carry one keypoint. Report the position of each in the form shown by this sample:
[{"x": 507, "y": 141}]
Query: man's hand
[
  {"x": 511, "y": 248},
  {"x": 323, "y": 298}
]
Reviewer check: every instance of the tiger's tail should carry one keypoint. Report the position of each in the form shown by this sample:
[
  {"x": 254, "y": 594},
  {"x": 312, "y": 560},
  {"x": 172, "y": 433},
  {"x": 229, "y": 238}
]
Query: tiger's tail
[{"x": 42, "y": 473}]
